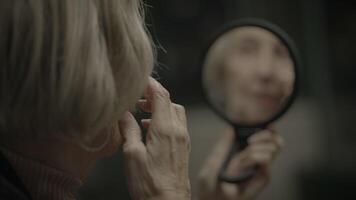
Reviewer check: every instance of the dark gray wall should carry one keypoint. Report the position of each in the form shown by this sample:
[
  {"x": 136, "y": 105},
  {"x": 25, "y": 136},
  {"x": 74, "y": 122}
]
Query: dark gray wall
[{"x": 324, "y": 31}]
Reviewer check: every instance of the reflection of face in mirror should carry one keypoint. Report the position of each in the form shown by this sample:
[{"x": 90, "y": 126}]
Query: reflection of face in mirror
[{"x": 249, "y": 74}]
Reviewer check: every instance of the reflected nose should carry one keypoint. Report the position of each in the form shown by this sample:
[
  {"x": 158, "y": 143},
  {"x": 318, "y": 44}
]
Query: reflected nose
[{"x": 265, "y": 66}]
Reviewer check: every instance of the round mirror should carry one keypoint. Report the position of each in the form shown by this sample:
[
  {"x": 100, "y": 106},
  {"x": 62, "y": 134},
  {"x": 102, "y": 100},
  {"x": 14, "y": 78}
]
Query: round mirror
[
  {"x": 249, "y": 77},
  {"x": 249, "y": 73}
]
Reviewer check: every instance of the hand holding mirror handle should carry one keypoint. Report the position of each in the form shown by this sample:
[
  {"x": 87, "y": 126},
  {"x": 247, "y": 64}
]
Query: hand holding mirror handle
[{"x": 240, "y": 143}]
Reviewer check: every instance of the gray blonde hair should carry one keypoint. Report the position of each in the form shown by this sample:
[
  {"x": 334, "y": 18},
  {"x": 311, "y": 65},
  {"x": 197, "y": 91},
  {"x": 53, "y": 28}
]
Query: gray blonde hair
[{"x": 70, "y": 67}]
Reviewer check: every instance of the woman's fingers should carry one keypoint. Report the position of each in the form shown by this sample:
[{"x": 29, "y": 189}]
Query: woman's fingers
[
  {"x": 168, "y": 120},
  {"x": 168, "y": 142},
  {"x": 261, "y": 136},
  {"x": 276, "y": 137},
  {"x": 160, "y": 166},
  {"x": 158, "y": 99},
  {"x": 261, "y": 154},
  {"x": 129, "y": 129},
  {"x": 279, "y": 141},
  {"x": 228, "y": 191},
  {"x": 146, "y": 123},
  {"x": 133, "y": 147},
  {"x": 144, "y": 105},
  {"x": 208, "y": 174},
  {"x": 178, "y": 110},
  {"x": 180, "y": 114},
  {"x": 156, "y": 94},
  {"x": 135, "y": 155},
  {"x": 267, "y": 136},
  {"x": 220, "y": 151},
  {"x": 162, "y": 112},
  {"x": 269, "y": 148},
  {"x": 263, "y": 147}
]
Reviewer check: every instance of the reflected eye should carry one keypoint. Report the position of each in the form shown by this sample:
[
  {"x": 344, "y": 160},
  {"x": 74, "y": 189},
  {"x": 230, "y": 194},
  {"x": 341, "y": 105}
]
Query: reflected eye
[
  {"x": 281, "y": 51},
  {"x": 247, "y": 46}
]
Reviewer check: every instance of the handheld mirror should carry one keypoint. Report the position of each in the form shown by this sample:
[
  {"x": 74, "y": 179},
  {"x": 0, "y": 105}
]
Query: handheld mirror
[{"x": 249, "y": 77}]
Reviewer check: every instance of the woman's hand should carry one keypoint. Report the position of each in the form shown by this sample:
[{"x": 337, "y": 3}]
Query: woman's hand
[
  {"x": 261, "y": 151},
  {"x": 159, "y": 169}
]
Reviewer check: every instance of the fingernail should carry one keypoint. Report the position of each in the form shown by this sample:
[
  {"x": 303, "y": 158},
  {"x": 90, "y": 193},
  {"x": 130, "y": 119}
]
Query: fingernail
[{"x": 142, "y": 101}]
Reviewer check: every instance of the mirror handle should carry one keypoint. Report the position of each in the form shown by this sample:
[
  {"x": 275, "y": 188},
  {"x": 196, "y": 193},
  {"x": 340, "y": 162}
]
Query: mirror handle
[{"x": 242, "y": 134}]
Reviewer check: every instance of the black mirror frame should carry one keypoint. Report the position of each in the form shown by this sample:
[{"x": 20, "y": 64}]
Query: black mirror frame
[{"x": 283, "y": 36}]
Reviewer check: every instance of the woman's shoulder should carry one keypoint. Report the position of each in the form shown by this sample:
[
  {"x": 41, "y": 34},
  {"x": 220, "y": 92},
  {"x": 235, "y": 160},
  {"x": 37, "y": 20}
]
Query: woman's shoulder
[
  {"x": 11, "y": 187},
  {"x": 8, "y": 190}
]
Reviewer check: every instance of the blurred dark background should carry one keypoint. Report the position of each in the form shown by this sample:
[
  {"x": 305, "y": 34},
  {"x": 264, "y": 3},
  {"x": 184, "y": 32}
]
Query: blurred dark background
[{"x": 322, "y": 120}]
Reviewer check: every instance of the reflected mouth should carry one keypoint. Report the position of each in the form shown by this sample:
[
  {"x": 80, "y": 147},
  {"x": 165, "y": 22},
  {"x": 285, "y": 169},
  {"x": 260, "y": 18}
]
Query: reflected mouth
[{"x": 267, "y": 100}]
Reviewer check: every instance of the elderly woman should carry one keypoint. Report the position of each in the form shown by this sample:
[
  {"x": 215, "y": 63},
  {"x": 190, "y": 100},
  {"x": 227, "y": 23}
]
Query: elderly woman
[{"x": 70, "y": 72}]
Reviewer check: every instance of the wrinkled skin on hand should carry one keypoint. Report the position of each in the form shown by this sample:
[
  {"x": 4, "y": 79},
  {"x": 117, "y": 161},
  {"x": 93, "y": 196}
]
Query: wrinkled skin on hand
[
  {"x": 262, "y": 149},
  {"x": 158, "y": 169}
]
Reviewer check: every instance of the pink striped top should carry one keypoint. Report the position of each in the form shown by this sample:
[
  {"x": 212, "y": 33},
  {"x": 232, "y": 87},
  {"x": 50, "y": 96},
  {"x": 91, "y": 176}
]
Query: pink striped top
[{"x": 43, "y": 182}]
